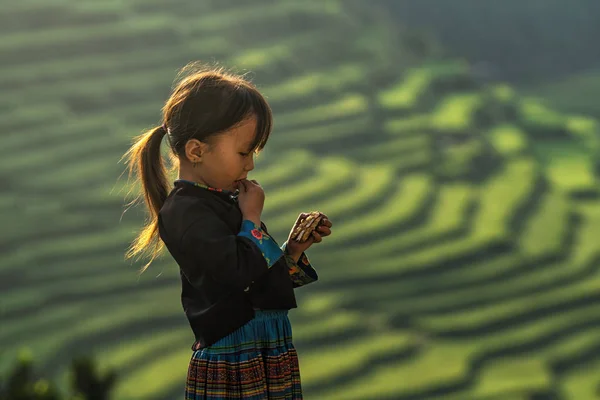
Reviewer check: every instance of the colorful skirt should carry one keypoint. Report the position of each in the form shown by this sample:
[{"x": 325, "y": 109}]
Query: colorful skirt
[{"x": 257, "y": 361}]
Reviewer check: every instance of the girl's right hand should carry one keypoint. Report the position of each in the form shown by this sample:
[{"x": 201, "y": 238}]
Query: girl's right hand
[{"x": 251, "y": 200}]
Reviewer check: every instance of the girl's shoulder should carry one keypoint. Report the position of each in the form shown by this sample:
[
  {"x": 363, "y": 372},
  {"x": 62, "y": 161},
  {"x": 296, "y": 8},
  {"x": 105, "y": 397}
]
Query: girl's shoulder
[
  {"x": 178, "y": 206},
  {"x": 182, "y": 214}
]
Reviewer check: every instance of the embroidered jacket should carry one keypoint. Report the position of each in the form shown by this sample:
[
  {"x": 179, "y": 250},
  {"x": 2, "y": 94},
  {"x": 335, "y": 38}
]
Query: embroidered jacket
[{"x": 229, "y": 267}]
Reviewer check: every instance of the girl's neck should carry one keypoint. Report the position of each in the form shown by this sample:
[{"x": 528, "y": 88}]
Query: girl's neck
[
  {"x": 188, "y": 176},
  {"x": 192, "y": 179}
]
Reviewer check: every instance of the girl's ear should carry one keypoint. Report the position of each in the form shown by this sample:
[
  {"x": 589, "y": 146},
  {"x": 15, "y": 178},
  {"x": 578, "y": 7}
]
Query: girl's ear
[{"x": 194, "y": 150}]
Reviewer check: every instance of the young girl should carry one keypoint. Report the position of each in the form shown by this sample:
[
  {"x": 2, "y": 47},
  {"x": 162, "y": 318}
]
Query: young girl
[{"x": 237, "y": 282}]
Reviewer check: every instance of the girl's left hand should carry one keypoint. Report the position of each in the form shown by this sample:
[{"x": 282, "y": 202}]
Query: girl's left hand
[{"x": 295, "y": 249}]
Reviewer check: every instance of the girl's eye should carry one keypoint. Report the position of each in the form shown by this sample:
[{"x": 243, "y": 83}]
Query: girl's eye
[{"x": 244, "y": 154}]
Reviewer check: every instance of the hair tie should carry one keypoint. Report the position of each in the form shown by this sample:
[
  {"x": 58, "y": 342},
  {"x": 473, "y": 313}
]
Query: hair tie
[{"x": 165, "y": 128}]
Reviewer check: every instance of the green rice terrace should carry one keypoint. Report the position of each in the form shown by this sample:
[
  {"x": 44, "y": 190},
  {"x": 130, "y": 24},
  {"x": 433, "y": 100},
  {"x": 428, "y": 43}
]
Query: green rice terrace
[{"x": 464, "y": 261}]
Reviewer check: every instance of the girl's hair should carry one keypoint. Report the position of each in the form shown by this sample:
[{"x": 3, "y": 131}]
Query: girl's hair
[{"x": 204, "y": 103}]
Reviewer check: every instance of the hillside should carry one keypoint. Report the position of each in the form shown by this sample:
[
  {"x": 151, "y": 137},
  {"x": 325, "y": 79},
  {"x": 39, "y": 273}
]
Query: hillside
[
  {"x": 536, "y": 41},
  {"x": 464, "y": 260},
  {"x": 577, "y": 93}
]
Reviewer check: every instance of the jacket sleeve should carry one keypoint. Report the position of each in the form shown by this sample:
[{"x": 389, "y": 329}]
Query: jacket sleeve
[
  {"x": 235, "y": 260},
  {"x": 302, "y": 272}
]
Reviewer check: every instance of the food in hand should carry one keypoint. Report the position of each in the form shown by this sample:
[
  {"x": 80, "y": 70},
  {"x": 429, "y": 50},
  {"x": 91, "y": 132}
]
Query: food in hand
[{"x": 306, "y": 226}]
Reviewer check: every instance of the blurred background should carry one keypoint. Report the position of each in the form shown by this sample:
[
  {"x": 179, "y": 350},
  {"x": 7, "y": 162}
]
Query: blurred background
[{"x": 453, "y": 143}]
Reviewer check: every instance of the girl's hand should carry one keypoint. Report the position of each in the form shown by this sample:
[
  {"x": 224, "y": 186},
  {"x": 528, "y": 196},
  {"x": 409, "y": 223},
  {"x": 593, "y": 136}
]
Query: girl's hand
[
  {"x": 251, "y": 200},
  {"x": 295, "y": 249}
]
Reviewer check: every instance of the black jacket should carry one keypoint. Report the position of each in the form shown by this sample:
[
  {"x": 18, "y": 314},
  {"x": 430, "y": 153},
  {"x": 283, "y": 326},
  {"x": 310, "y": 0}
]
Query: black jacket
[{"x": 224, "y": 276}]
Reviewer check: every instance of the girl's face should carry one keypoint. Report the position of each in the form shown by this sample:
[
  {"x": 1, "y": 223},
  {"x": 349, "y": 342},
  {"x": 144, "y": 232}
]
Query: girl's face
[{"x": 228, "y": 159}]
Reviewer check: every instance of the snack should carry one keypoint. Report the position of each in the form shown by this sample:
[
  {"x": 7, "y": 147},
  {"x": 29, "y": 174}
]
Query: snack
[{"x": 306, "y": 226}]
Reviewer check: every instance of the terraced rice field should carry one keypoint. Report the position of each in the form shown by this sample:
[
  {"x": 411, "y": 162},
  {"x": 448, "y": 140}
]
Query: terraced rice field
[{"x": 464, "y": 260}]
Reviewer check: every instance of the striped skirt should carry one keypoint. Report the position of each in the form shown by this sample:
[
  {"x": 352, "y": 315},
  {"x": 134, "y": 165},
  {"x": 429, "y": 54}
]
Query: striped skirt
[{"x": 257, "y": 361}]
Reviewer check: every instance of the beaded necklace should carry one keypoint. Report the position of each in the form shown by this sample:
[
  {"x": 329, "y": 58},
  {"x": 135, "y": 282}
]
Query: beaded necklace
[{"x": 233, "y": 194}]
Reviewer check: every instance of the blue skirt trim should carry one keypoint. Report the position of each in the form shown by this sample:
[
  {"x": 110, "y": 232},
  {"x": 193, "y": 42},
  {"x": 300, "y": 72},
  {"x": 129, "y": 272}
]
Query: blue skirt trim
[{"x": 257, "y": 361}]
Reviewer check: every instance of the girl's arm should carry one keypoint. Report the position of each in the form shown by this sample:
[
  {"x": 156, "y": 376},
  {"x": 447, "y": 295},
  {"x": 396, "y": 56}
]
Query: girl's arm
[
  {"x": 299, "y": 267},
  {"x": 235, "y": 260},
  {"x": 301, "y": 271}
]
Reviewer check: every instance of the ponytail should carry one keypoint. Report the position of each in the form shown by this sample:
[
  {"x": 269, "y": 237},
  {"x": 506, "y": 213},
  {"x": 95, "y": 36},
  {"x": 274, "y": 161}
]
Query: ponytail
[{"x": 145, "y": 160}]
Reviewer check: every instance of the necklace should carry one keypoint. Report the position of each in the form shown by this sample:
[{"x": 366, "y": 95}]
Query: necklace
[{"x": 233, "y": 194}]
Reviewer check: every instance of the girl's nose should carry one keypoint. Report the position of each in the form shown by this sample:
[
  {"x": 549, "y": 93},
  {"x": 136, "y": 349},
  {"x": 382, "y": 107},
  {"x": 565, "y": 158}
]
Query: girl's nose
[{"x": 250, "y": 165}]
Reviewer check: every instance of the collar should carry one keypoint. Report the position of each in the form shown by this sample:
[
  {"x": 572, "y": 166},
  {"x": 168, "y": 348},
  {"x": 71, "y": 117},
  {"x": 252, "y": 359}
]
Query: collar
[{"x": 232, "y": 194}]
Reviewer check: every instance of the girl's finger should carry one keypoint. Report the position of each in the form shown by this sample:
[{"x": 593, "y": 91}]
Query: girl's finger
[
  {"x": 317, "y": 237},
  {"x": 324, "y": 230}
]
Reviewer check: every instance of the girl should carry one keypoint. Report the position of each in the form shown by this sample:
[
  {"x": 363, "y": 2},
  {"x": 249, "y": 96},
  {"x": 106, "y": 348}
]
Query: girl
[{"x": 237, "y": 282}]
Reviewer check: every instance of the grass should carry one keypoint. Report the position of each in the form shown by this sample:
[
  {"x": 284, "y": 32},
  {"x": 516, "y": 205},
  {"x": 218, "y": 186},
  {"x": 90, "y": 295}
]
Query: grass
[
  {"x": 402, "y": 126},
  {"x": 484, "y": 315},
  {"x": 71, "y": 36},
  {"x": 222, "y": 20},
  {"x": 501, "y": 195},
  {"x": 152, "y": 372},
  {"x": 398, "y": 147},
  {"x": 334, "y": 132},
  {"x": 508, "y": 140},
  {"x": 434, "y": 285},
  {"x": 581, "y": 383},
  {"x": 348, "y": 106},
  {"x": 545, "y": 230},
  {"x": 356, "y": 354},
  {"x": 98, "y": 88},
  {"x": 332, "y": 80},
  {"x": 455, "y": 113},
  {"x": 371, "y": 179},
  {"x": 278, "y": 171},
  {"x": 403, "y": 203},
  {"x": 439, "y": 363},
  {"x": 512, "y": 375},
  {"x": 330, "y": 173},
  {"x": 572, "y": 174},
  {"x": 574, "y": 94},
  {"x": 447, "y": 216},
  {"x": 406, "y": 93},
  {"x": 459, "y": 159}
]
